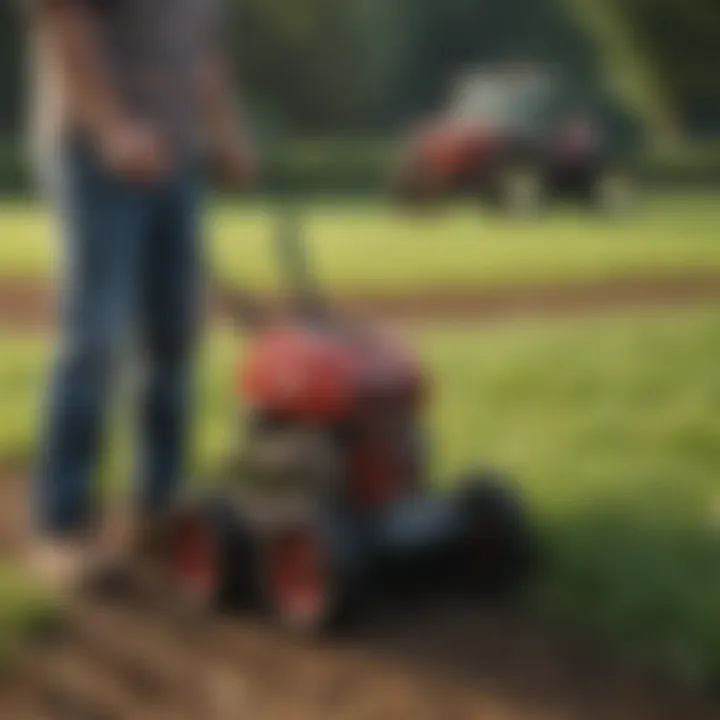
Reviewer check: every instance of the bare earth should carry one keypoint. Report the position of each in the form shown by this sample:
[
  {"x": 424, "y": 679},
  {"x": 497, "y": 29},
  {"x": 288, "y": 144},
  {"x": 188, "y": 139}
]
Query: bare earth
[
  {"x": 135, "y": 658},
  {"x": 27, "y": 305}
]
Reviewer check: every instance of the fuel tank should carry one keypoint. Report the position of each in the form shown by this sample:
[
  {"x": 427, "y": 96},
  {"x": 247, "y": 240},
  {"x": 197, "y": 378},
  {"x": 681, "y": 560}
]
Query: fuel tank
[{"x": 319, "y": 373}]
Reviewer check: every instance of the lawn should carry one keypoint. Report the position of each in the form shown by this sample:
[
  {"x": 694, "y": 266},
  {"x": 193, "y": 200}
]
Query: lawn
[
  {"x": 23, "y": 610},
  {"x": 367, "y": 247},
  {"x": 611, "y": 425}
]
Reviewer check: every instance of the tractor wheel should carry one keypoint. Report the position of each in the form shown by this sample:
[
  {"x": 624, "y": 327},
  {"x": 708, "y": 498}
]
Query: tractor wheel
[
  {"x": 500, "y": 543},
  {"x": 300, "y": 583},
  {"x": 206, "y": 552},
  {"x": 409, "y": 186},
  {"x": 519, "y": 190},
  {"x": 613, "y": 192}
]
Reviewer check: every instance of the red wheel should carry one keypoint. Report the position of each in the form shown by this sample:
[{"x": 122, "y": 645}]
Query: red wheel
[
  {"x": 195, "y": 564},
  {"x": 299, "y": 579}
]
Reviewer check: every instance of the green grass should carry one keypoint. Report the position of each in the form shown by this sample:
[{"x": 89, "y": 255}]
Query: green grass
[
  {"x": 23, "y": 610},
  {"x": 612, "y": 426},
  {"x": 369, "y": 247}
]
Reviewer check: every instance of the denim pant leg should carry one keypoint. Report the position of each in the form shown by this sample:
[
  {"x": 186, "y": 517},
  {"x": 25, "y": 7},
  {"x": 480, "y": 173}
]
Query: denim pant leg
[
  {"x": 104, "y": 221},
  {"x": 172, "y": 273}
]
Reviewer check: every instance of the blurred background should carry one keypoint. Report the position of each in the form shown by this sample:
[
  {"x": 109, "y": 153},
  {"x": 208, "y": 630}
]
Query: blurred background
[
  {"x": 345, "y": 77},
  {"x": 575, "y": 347}
]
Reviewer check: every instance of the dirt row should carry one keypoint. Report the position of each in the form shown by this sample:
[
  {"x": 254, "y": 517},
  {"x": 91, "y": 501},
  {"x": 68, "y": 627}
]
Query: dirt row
[
  {"x": 122, "y": 661},
  {"x": 135, "y": 658},
  {"x": 25, "y": 304}
]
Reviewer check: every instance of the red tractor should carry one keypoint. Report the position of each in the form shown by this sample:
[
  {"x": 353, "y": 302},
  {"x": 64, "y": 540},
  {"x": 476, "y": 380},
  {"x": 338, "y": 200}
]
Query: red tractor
[
  {"x": 499, "y": 142},
  {"x": 326, "y": 502}
]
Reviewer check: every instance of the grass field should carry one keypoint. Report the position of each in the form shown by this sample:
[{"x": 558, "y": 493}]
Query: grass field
[
  {"x": 369, "y": 247},
  {"x": 23, "y": 609},
  {"x": 613, "y": 428}
]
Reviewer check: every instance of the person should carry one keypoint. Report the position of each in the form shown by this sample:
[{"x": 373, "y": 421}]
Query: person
[{"x": 130, "y": 96}]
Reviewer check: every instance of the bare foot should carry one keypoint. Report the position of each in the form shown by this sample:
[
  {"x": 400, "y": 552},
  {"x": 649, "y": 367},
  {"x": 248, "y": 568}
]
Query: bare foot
[
  {"x": 139, "y": 536},
  {"x": 112, "y": 562},
  {"x": 58, "y": 564},
  {"x": 71, "y": 566}
]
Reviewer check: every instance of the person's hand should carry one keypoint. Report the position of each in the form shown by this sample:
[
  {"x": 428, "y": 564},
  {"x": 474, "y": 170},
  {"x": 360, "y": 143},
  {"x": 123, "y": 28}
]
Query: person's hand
[
  {"x": 134, "y": 152},
  {"x": 235, "y": 161}
]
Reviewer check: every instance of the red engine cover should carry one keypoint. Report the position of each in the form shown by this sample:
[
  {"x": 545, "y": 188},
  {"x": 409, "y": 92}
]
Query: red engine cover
[
  {"x": 449, "y": 152},
  {"x": 304, "y": 373}
]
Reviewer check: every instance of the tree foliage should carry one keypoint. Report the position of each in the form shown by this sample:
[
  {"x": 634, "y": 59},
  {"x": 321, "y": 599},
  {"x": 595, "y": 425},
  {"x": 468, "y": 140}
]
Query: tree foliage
[{"x": 349, "y": 66}]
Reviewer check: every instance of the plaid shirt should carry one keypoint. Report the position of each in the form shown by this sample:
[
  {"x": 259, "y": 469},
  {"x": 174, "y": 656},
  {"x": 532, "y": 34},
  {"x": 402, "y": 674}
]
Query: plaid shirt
[{"x": 153, "y": 50}]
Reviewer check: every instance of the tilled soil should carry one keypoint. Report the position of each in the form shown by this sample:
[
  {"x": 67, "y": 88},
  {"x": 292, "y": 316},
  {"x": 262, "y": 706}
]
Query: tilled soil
[
  {"x": 135, "y": 657},
  {"x": 25, "y": 304}
]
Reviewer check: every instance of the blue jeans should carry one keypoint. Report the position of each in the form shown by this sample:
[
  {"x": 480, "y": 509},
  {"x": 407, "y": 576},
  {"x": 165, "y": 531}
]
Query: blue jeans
[{"x": 133, "y": 279}]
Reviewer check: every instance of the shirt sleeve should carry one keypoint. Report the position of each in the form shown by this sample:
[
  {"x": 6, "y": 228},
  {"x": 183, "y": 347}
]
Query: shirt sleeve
[
  {"x": 220, "y": 23},
  {"x": 27, "y": 6}
]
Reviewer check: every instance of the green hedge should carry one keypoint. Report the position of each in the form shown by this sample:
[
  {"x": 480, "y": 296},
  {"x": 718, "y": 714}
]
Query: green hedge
[
  {"x": 14, "y": 175},
  {"x": 362, "y": 166},
  {"x": 697, "y": 165},
  {"x": 327, "y": 166},
  {"x": 330, "y": 166}
]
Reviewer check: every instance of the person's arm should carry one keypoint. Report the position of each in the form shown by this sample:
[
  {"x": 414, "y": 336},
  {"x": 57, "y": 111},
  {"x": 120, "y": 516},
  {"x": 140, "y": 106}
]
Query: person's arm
[
  {"x": 227, "y": 137},
  {"x": 66, "y": 30}
]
